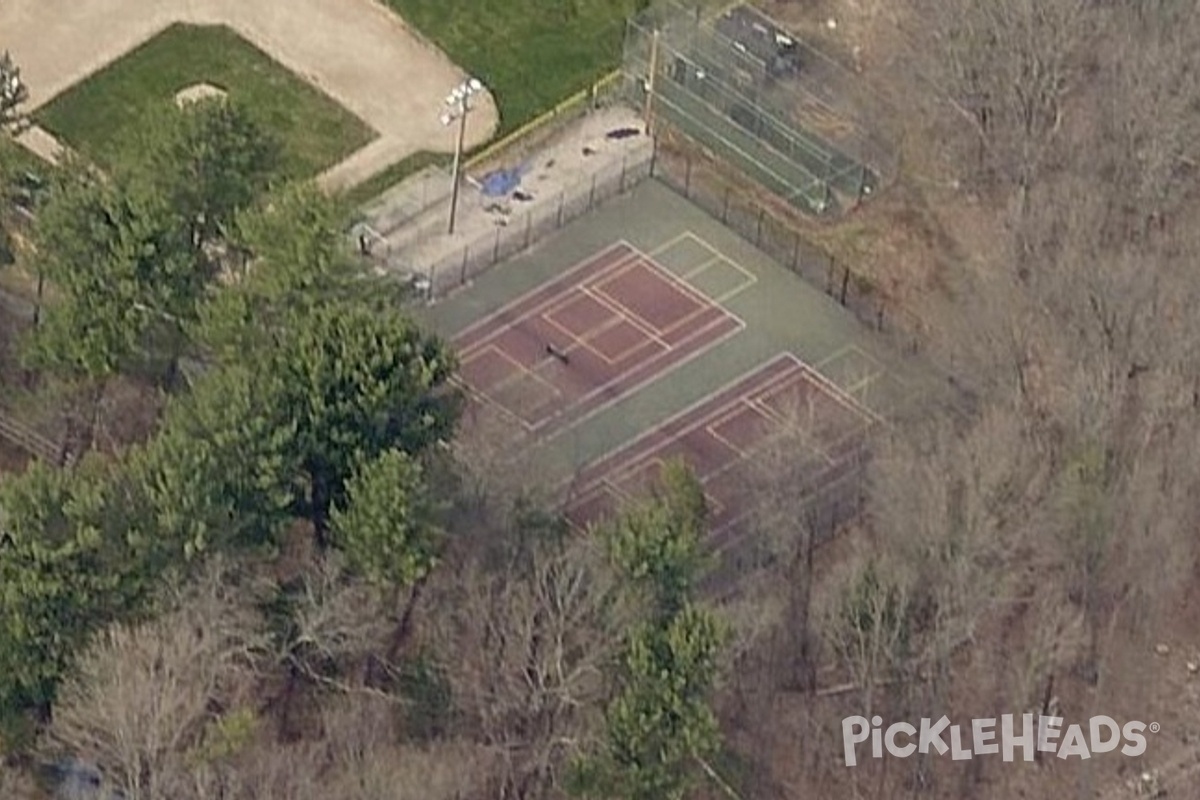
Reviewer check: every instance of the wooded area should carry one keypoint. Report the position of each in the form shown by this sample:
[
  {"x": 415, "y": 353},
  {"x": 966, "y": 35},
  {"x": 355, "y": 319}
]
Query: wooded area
[{"x": 299, "y": 584}]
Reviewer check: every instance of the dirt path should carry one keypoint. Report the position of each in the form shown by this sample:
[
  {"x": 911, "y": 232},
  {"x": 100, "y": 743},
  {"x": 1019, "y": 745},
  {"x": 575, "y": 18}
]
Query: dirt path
[{"x": 356, "y": 51}]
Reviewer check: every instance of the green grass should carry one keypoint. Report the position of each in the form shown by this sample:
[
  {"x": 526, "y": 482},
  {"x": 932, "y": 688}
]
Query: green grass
[
  {"x": 532, "y": 54},
  {"x": 96, "y": 116},
  {"x": 380, "y": 182}
]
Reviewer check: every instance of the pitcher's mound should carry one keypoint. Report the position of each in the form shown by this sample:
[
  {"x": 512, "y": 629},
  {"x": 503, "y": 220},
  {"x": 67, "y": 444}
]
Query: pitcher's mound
[{"x": 197, "y": 92}]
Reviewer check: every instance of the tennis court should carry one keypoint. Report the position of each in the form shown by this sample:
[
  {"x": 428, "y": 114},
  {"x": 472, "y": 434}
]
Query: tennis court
[
  {"x": 604, "y": 326},
  {"x": 718, "y": 437},
  {"x": 648, "y": 330}
]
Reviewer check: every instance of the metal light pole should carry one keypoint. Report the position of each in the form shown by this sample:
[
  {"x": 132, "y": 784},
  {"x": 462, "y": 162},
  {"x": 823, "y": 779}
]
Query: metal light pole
[{"x": 458, "y": 104}]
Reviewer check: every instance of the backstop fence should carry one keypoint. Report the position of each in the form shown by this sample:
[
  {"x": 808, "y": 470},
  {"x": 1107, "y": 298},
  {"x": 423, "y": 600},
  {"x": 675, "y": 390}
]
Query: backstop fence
[{"x": 756, "y": 96}]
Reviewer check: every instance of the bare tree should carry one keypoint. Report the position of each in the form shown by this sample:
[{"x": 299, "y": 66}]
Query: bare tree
[
  {"x": 1010, "y": 66},
  {"x": 368, "y": 761},
  {"x": 522, "y": 643},
  {"x": 16, "y": 783},
  {"x": 142, "y": 696}
]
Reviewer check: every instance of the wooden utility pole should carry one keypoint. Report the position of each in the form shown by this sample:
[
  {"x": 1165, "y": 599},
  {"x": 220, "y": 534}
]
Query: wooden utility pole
[{"x": 648, "y": 112}]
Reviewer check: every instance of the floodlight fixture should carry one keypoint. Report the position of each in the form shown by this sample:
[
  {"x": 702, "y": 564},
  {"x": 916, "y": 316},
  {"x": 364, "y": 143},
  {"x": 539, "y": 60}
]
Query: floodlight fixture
[{"x": 459, "y": 107}]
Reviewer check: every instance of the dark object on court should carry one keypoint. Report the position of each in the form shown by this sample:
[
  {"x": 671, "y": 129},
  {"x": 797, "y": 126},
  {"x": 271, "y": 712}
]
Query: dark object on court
[
  {"x": 587, "y": 151},
  {"x": 524, "y": 197},
  {"x": 622, "y": 133},
  {"x": 551, "y": 350}
]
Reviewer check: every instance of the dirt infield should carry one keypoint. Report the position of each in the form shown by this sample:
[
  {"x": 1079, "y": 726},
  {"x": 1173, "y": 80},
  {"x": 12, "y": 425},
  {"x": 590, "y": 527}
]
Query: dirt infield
[
  {"x": 603, "y": 327},
  {"x": 356, "y": 51}
]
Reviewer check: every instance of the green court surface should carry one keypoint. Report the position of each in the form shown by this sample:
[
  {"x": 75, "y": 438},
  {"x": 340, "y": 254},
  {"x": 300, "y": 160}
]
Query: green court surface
[{"x": 781, "y": 313}]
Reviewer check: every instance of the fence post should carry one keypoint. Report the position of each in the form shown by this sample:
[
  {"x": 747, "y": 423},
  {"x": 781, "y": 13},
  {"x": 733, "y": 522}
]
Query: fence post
[
  {"x": 562, "y": 199},
  {"x": 687, "y": 180},
  {"x": 528, "y": 226},
  {"x": 879, "y": 316},
  {"x": 845, "y": 284},
  {"x": 725, "y": 208},
  {"x": 795, "y": 252},
  {"x": 653, "y": 155},
  {"x": 462, "y": 278},
  {"x": 496, "y": 247},
  {"x": 758, "y": 229},
  {"x": 592, "y": 194},
  {"x": 829, "y": 278}
]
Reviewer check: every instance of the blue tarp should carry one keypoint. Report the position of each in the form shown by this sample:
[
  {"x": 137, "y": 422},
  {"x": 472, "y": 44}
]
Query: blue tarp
[{"x": 501, "y": 182}]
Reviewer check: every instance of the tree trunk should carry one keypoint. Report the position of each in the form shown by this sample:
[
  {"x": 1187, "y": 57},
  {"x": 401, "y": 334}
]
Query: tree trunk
[
  {"x": 403, "y": 629},
  {"x": 95, "y": 402},
  {"x": 319, "y": 501},
  {"x": 804, "y": 675}
]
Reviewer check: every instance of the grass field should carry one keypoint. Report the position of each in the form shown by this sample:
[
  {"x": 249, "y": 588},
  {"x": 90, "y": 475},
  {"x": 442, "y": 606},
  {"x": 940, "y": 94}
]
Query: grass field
[
  {"x": 531, "y": 53},
  {"x": 96, "y": 116}
]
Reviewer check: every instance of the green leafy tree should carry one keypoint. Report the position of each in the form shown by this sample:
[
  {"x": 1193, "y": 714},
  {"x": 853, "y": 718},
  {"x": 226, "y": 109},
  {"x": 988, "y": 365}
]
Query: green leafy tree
[
  {"x": 207, "y": 160},
  {"x": 79, "y": 247},
  {"x": 123, "y": 271},
  {"x": 219, "y": 472},
  {"x": 657, "y": 544},
  {"x": 295, "y": 258},
  {"x": 659, "y": 725},
  {"x": 387, "y": 524},
  {"x": 387, "y": 527},
  {"x": 66, "y": 567},
  {"x": 357, "y": 383}
]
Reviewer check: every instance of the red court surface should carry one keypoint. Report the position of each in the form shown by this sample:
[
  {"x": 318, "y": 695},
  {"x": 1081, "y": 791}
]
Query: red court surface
[
  {"x": 602, "y": 328},
  {"x": 718, "y": 437}
]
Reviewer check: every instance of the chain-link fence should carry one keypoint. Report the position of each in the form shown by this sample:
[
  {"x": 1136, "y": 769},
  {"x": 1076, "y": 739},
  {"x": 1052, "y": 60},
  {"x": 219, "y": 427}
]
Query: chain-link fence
[
  {"x": 406, "y": 201},
  {"x": 769, "y": 229},
  {"x": 756, "y": 96},
  {"x": 513, "y": 233},
  {"x": 825, "y": 502}
]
